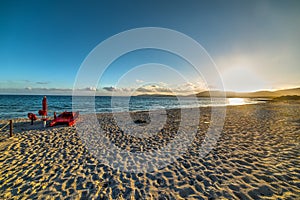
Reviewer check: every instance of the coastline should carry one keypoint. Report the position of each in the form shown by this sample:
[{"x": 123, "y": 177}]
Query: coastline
[
  {"x": 21, "y": 104},
  {"x": 257, "y": 156}
]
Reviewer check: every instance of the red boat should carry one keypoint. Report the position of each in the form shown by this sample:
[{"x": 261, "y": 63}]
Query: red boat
[{"x": 65, "y": 118}]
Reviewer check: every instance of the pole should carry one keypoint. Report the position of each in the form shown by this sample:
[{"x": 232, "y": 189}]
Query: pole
[
  {"x": 44, "y": 121},
  {"x": 11, "y": 128},
  {"x": 44, "y": 106}
]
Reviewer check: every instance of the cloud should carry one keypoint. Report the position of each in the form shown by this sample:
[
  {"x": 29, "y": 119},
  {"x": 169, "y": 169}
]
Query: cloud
[
  {"x": 49, "y": 89},
  {"x": 41, "y": 91},
  {"x": 145, "y": 90},
  {"x": 37, "y": 82},
  {"x": 159, "y": 88},
  {"x": 154, "y": 89},
  {"x": 126, "y": 90},
  {"x": 119, "y": 90},
  {"x": 185, "y": 88},
  {"x": 58, "y": 89},
  {"x": 110, "y": 89},
  {"x": 42, "y": 83},
  {"x": 139, "y": 81},
  {"x": 91, "y": 89}
]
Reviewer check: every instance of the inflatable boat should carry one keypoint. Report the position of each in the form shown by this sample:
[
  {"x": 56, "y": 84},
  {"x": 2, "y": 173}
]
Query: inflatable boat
[{"x": 68, "y": 118}]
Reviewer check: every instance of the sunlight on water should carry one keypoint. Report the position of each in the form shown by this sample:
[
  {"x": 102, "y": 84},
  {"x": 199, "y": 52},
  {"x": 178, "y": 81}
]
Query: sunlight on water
[{"x": 236, "y": 101}]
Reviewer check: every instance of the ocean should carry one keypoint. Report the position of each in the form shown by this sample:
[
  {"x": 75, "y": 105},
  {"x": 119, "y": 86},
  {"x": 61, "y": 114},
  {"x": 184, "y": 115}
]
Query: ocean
[{"x": 17, "y": 106}]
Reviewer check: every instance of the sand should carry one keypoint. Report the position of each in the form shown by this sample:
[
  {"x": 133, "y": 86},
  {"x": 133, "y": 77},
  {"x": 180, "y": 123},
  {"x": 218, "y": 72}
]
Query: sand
[{"x": 256, "y": 156}]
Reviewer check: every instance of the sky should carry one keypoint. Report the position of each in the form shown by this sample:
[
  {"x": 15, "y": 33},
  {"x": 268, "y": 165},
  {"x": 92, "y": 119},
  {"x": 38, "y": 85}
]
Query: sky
[{"x": 43, "y": 45}]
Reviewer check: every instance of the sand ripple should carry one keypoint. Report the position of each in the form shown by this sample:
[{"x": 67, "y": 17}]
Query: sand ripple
[{"x": 257, "y": 156}]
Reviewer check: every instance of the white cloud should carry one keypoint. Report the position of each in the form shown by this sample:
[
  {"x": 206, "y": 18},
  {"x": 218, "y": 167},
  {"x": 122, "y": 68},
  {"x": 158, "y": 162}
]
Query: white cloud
[
  {"x": 183, "y": 89},
  {"x": 91, "y": 89},
  {"x": 155, "y": 88}
]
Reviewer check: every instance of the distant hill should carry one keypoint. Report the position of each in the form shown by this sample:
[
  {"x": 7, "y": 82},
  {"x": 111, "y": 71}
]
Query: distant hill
[
  {"x": 230, "y": 94},
  {"x": 263, "y": 94},
  {"x": 287, "y": 98},
  {"x": 289, "y": 92}
]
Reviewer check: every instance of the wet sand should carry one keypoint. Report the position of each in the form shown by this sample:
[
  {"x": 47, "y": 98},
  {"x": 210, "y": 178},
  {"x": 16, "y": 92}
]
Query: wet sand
[{"x": 257, "y": 156}]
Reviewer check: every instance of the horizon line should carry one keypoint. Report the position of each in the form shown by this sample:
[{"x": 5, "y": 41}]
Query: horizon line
[{"x": 88, "y": 93}]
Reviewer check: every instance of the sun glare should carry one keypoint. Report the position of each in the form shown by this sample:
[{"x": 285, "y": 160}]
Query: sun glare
[
  {"x": 242, "y": 79},
  {"x": 236, "y": 101}
]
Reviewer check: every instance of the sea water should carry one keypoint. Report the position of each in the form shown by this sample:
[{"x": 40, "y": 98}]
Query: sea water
[{"x": 17, "y": 106}]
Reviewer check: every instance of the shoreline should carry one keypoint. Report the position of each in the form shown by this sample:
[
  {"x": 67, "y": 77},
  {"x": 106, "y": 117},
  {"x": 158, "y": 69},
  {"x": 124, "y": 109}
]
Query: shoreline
[
  {"x": 56, "y": 106},
  {"x": 2, "y": 120},
  {"x": 256, "y": 156}
]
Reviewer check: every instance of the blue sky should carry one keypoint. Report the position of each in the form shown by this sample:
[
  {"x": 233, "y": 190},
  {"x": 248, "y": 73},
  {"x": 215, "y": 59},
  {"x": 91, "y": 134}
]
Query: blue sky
[{"x": 255, "y": 44}]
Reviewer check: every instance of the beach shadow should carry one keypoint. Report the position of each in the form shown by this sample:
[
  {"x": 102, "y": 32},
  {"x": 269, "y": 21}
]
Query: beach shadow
[{"x": 23, "y": 125}]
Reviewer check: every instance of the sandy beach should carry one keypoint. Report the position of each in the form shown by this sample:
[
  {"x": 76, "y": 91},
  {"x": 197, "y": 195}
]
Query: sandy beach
[{"x": 257, "y": 156}]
